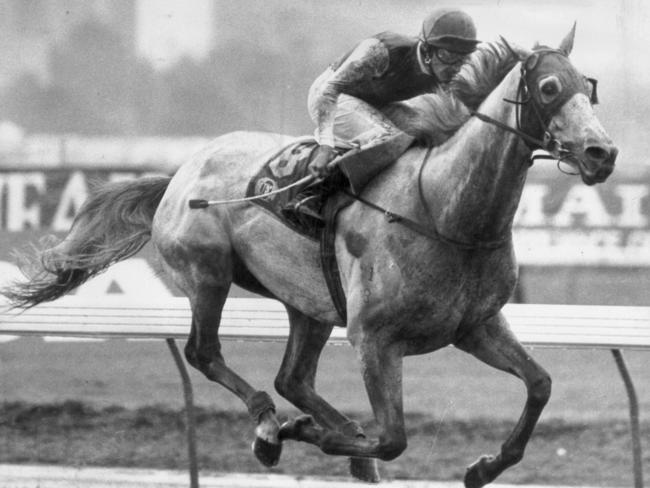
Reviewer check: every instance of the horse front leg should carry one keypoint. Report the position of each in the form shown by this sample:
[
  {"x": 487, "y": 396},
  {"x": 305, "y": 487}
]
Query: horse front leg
[
  {"x": 493, "y": 343},
  {"x": 296, "y": 382},
  {"x": 382, "y": 374}
]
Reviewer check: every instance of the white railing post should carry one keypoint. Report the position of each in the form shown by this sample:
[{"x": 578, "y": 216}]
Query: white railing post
[
  {"x": 189, "y": 413},
  {"x": 634, "y": 417}
]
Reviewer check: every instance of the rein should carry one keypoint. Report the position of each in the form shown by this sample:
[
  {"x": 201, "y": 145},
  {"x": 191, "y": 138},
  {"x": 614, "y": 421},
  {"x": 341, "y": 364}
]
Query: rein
[
  {"x": 429, "y": 232},
  {"x": 544, "y": 144},
  {"x": 506, "y": 127},
  {"x": 548, "y": 143}
]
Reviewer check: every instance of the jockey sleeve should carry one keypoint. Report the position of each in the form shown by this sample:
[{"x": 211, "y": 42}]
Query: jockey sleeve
[{"x": 379, "y": 70}]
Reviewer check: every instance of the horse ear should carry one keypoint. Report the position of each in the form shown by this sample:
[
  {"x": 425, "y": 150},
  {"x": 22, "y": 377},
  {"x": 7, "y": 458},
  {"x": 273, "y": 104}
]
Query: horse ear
[
  {"x": 517, "y": 51},
  {"x": 566, "y": 46}
]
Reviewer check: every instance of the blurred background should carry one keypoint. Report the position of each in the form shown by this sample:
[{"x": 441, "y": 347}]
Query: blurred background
[{"x": 201, "y": 68}]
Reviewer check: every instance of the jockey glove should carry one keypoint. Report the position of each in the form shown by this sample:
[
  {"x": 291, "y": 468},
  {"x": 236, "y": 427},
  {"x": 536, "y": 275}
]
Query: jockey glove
[{"x": 318, "y": 165}]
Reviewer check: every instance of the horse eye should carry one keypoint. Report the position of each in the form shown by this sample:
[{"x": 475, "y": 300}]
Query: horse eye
[{"x": 550, "y": 88}]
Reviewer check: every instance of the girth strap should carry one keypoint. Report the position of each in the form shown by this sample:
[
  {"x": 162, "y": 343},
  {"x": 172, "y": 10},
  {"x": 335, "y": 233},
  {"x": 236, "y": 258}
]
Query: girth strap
[{"x": 328, "y": 255}]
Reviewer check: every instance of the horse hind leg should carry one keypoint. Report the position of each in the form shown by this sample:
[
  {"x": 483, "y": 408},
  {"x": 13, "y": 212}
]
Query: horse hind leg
[
  {"x": 494, "y": 344},
  {"x": 381, "y": 364},
  {"x": 296, "y": 382},
  {"x": 203, "y": 351}
]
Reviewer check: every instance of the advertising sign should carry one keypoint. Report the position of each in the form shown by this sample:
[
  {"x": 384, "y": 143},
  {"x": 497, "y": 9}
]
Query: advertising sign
[{"x": 560, "y": 222}]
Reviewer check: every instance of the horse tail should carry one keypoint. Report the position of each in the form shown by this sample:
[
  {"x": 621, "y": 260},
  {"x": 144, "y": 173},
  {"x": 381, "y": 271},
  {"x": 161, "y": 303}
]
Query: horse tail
[{"x": 112, "y": 225}]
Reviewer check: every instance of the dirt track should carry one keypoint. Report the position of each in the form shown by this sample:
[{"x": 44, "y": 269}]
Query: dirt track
[{"x": 590, "y": 453}]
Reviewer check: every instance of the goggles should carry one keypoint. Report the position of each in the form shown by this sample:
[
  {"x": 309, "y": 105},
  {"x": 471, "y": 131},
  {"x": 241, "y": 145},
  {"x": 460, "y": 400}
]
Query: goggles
[{"x": 449, "y": 57}]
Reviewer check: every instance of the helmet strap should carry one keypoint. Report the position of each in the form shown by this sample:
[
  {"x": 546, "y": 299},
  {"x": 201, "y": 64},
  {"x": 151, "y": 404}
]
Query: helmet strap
[{"x": 426, "y": 56}]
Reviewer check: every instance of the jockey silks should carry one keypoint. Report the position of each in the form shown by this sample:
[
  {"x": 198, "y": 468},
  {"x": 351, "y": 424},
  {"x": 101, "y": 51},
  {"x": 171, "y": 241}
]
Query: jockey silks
[{"x": 397, "y": 74}]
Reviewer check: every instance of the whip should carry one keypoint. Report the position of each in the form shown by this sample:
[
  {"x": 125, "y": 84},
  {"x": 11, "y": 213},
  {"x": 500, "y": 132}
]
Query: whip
[
  {"x": 305, "y": 180},
  {"x": 201, "y": 203}
]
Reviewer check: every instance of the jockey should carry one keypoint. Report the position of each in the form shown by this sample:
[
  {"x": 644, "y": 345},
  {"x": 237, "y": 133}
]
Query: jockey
[{"x": 345, "y": 101}]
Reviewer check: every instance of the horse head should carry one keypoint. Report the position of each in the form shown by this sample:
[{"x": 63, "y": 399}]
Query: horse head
[{"x": 555, "y": 106}]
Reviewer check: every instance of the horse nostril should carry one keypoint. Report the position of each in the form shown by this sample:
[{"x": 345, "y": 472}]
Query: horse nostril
[
  {"x": 597, "y": 153},
  {"x": 603, "y": 154}
]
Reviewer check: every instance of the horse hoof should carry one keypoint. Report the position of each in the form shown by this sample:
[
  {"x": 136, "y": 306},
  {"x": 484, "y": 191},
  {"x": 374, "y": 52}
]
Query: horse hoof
[
  {"x": 365, "y": 469},
  {"x": 476, "y": 475},
  {"x": 268, "y": 453},
  {"x": 291, "y": 428}
]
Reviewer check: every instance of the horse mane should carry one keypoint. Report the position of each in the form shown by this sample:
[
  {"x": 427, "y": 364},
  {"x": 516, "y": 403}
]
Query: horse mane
[{"x": 433, "y": 118}]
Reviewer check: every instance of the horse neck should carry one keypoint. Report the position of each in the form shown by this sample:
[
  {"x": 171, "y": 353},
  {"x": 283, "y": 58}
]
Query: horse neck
[{"x": 473, "y": 185}]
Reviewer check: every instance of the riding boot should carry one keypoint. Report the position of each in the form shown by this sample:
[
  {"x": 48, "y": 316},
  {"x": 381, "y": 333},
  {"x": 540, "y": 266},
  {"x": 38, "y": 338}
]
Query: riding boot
[{"x": 361, "y": 165}]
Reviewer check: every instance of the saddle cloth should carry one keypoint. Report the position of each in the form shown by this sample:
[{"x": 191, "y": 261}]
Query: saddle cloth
[{"x": 284, "y": 168}]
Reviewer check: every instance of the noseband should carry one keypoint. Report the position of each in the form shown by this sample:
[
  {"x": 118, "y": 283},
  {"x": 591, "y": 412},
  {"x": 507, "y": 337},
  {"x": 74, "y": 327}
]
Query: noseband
[{"x": 542, "y": 115}]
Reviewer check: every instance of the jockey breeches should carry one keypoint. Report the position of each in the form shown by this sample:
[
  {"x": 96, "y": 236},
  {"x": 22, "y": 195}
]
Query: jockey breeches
[{"x": 356, "y": 123}]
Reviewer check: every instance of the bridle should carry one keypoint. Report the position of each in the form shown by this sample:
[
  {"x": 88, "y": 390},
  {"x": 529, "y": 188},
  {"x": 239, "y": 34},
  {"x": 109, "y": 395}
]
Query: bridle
[{"x": 548, "y": 142}]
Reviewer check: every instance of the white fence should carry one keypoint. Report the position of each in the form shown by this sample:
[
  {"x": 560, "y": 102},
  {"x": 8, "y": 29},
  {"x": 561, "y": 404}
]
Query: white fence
[{"x": 261, "y": 319}]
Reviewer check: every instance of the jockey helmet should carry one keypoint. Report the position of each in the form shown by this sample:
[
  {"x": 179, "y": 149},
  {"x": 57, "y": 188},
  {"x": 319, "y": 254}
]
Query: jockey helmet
[{"x": 450, "y": 29}]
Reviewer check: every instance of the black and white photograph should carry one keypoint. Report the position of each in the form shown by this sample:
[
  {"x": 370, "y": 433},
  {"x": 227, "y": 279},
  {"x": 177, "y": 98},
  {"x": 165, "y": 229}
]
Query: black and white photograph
[{"x": 324, "y": 244}]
